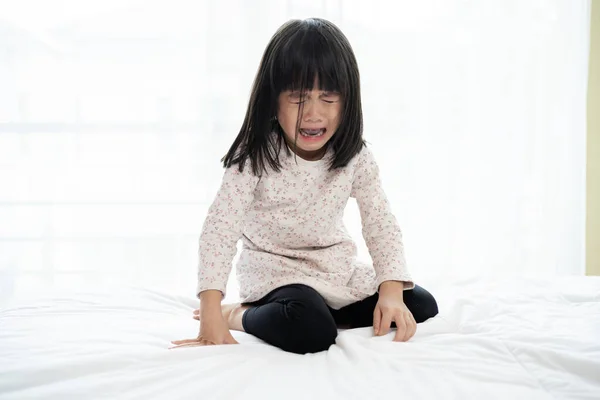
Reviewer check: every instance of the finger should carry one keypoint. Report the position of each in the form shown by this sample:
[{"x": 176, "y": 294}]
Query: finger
[
  {"x": 376, "y": 320},
  {"x": 400, "y": 328},
  {"x": 195, "y": 342},
  {"x": 176, "y": 347},
  {"x": 386, "y": 322},
  {"x": 196, "y": 317},
  {"x": 409, "y": 328},
  {"x": 183, "y": 341},
  {"x": 413, "y": 326},
  {"x": 197, "y": 311},
  {"x": 187, "y": 345}
]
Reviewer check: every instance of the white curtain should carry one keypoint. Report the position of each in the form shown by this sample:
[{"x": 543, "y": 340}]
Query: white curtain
[{"x": 114, "y": 115}]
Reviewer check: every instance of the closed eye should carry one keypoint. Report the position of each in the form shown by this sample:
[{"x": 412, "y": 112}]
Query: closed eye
[
  {"x": 327, "y": 97},
  {"x": 297, "y": 98},
  {"x": 330, "y": 97}
]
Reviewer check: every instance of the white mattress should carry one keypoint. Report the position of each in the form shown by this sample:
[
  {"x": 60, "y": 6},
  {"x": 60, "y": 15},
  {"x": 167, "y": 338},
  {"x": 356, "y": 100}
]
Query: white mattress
[{"x": 512, "y": 339}]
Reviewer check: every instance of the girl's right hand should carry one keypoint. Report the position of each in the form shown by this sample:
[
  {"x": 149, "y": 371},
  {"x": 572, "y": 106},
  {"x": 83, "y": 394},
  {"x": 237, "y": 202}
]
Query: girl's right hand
[{"x": 213, "y": 330}]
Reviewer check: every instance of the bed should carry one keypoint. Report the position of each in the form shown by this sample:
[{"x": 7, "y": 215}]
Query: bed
[{"x": 493, "y": 339}]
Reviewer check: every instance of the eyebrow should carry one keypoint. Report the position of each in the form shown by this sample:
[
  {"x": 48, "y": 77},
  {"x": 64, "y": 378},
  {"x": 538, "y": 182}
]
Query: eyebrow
[{"x": 323, "y": 92}]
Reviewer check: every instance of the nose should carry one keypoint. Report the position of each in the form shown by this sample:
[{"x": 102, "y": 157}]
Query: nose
[{"x": 311, "y": 110}]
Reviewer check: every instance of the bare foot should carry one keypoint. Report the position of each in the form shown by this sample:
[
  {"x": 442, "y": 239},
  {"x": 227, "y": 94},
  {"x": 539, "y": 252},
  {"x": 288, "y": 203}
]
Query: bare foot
[{"x": 232, "y": 313}]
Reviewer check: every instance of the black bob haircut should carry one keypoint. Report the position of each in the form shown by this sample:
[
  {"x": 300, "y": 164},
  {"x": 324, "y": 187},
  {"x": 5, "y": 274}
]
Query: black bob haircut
[{"x": 299, "y": 52}]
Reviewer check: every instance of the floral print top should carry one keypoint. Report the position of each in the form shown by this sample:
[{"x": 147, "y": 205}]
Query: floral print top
[{"x": 291, "y": 226}]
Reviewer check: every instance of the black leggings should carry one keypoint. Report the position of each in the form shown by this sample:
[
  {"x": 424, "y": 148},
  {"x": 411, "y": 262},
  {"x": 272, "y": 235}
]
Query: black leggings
[{"x": 296, "y": 318}]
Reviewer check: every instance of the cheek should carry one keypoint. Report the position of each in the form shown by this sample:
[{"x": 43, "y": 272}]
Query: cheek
[
  {"x": 287, "y": 120},
  {"x": 335, "y": 117},
  {"x": 336, "y": 111}
]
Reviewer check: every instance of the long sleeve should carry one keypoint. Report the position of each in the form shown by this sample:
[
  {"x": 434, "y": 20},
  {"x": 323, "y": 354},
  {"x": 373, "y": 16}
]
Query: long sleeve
[
  {"x": 380, "y": 228},
  {"x": 223, "y": 228}
]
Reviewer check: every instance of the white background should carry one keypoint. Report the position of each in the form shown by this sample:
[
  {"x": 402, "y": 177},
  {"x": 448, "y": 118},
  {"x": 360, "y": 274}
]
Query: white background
[{"x": 114, "y": 116}]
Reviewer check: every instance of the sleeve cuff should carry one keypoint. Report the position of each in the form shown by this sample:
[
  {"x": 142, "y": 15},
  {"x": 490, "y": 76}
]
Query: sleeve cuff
[
  {"x": 203, "y": 287},
  {"x": 406, "y": 279}
]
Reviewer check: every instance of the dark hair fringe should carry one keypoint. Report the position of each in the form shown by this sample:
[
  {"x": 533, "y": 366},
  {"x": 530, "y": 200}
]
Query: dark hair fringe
[{"x": 299, "y": 52}]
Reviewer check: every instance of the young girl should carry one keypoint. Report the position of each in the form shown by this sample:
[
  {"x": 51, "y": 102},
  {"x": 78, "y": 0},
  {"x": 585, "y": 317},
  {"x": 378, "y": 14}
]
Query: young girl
[{"x": 298, "y": 157}]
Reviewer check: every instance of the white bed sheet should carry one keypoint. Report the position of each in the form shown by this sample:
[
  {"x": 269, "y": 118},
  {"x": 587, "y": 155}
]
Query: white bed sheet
[{"x": 503, "y": 339}]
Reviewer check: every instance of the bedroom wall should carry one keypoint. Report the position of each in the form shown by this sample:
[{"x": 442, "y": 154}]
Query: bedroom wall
[{"x": 593, "y": 146}]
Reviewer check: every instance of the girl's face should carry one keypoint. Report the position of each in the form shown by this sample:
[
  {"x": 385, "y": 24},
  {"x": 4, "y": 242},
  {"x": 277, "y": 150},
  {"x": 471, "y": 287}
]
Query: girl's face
[{"x": 319, "y": 119}]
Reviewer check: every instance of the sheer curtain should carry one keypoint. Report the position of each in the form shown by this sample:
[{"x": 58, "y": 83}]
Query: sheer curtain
[{"x": 114, "y": 115}]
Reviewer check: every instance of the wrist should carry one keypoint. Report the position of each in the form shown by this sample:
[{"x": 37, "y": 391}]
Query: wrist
[
  {"x": 210, "y": 301},
  {"x": 391, "y": 286}
]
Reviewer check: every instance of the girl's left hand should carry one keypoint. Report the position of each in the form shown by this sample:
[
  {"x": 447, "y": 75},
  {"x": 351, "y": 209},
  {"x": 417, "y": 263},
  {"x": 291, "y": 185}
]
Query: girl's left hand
[{"x": 391, "y": 307}]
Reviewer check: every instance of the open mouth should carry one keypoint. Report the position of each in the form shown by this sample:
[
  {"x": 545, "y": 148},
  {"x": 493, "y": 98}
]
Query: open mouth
[{"x": 312, "y": 132}]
